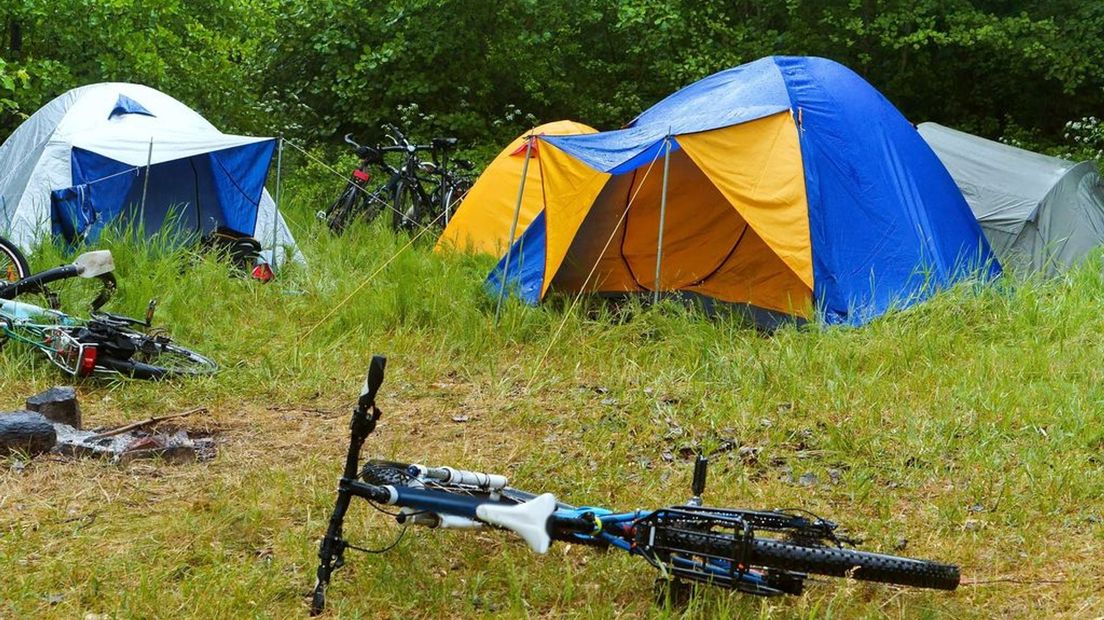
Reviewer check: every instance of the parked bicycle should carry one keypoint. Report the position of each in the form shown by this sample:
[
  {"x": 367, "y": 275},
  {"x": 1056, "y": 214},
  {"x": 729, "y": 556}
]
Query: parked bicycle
[
  {"x": 416, "y": 192},
  {"x": 105, "y": 343},
  {"x": 758, "y": 552}
]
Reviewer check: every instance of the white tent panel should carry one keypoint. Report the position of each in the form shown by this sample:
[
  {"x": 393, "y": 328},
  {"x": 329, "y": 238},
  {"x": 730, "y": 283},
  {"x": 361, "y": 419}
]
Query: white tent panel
[{"x": 37, "y": 158}]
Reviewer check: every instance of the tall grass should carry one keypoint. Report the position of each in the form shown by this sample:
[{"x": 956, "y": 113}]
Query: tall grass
[{"x": 966, "y": 429}]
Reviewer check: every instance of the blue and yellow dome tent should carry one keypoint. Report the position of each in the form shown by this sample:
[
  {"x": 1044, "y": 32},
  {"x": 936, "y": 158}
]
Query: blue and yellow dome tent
[{"x": 788, "y": 183}]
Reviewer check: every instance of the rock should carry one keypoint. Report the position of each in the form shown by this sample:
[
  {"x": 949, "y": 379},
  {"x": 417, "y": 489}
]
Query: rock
[
  {"x": 58, "y": 404},
  {"x": 807, "y": 480},
  {"x": 26, "y": 431}
]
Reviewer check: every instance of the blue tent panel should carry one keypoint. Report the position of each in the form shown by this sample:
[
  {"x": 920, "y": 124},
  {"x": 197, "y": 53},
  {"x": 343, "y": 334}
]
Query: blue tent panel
[
  {"x": 194, "y": 194},
  {"x": 126, "y": 105},
  {"x": 887, "y": 224},
  {"x": 727, "y": 98},
  {"x": 526, "y": 268}
]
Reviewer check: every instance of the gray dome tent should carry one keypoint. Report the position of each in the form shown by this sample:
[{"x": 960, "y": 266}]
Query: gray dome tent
[{"x": 1041, "y": 214}]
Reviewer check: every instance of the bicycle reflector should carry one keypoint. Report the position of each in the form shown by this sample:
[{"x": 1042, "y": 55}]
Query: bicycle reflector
[
  {"x": 263, "y": 273},
  {"x": 87, "y": 362},
  {"x": 361, "y": 176}
]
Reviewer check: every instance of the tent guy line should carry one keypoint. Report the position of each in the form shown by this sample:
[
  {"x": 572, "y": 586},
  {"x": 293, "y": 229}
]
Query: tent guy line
[
  {"x": 424, "y": 227},
  {"x": 593, "y": 269}
]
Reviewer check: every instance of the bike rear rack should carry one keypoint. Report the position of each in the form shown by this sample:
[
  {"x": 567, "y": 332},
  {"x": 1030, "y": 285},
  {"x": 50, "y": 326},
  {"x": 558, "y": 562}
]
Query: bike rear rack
[{"x": 687, "y": 540}]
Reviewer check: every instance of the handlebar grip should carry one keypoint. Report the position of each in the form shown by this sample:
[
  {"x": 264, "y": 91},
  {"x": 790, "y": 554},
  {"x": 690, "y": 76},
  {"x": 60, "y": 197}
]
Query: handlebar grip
[{"x": 372, "y": 382}]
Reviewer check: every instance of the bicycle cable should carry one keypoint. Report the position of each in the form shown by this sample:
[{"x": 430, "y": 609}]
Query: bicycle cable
[{"x": 382, "y": 550}]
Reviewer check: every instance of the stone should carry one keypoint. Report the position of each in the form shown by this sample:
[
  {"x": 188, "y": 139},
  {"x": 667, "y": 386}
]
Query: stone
[
  {"x": 58, "y": 404},
  {"x": 27, "y": 432}
]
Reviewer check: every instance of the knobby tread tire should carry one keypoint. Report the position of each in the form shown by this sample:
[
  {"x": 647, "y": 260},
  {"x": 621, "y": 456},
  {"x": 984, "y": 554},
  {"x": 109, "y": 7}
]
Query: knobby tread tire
[
  {"x": 829, "y": 561},
  {"x": 342, "y": 210}
]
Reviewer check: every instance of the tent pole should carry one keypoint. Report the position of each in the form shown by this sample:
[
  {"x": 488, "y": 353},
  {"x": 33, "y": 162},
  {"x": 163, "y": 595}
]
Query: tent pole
[
  {"x": 276, "y": 205},
  {"x": 662, "y": 216},
  {"x": 513, "y": 226},
  {"x": 145, "y": 186}
]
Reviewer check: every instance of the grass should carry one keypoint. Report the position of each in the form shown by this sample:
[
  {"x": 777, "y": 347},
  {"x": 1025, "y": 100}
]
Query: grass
[{"x": 969, "y": 426}]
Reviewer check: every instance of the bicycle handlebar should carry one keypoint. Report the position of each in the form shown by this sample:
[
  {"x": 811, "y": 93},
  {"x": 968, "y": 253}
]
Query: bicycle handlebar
[{"x": 34, "y": 281}]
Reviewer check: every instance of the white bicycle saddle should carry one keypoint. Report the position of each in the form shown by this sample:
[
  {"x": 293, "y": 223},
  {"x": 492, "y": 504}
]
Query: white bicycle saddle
[{"x": 528, "y": 520}]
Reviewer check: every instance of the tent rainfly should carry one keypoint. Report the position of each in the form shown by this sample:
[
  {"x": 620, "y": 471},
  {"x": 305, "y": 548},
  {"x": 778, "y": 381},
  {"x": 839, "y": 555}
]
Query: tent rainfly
[
  {"x": 126, "y": 153},
  {"x": 484, "y": 220},
  {"x": 788, "y": 184},
  {"x": 1041, "y": 214}
]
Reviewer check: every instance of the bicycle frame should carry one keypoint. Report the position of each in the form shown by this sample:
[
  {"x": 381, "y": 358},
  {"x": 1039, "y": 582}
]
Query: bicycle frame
[{"x": 45, "y": 329}]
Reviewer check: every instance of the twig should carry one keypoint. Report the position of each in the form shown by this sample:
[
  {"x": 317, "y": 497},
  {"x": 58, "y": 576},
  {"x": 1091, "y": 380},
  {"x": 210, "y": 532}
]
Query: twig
[{"x": 148, "y": 421}]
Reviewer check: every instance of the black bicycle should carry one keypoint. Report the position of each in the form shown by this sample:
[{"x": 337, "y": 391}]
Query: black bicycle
[
  {"x": 358, "y": 198},
  {"x": 429, "y": 192},
  {"x": 754, "y": 551},
  {"x": 416, "y": 192}
]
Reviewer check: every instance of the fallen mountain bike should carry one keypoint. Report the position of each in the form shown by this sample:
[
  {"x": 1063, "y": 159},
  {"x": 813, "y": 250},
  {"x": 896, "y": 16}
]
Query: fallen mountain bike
[
  {"x": 752, "y": 551},
  {"x": 105, "y": 343}
]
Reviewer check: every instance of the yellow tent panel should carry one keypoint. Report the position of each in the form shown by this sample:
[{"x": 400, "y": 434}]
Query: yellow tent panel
[
  {"x": 758, "y": 167},
  {"x": 482, "y": 222}
]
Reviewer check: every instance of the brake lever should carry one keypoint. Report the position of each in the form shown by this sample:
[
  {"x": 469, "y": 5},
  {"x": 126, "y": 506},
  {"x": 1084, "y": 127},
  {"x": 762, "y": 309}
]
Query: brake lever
[
  {"x": 107, "y": 292},
  {"x": 149, "y": 312}
]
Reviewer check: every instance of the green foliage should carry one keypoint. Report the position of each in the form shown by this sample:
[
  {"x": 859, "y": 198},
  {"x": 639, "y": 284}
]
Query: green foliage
[
  {"x": 485, "y": 71},
  {"x": 206, "y": 52}
]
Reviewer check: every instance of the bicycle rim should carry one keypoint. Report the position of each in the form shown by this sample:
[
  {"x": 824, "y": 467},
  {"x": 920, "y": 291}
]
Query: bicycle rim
[
  {"x": 407, "y": 206},
  {"x": 338, "y": 216},
  {"x": 13, "y": 265},
  {"x": 819, "y": 560}
]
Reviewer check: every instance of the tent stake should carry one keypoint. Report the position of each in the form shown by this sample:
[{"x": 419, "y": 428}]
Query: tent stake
[
  {"x": 662, "y": 216},
  {"x": 276, "y": 205},
  {"x": 145, "y": 186},
  {"x": 513, "y": 227}
]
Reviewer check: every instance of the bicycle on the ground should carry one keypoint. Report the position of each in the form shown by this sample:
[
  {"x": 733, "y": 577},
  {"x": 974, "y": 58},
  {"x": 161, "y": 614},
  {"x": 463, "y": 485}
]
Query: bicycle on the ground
[
  {"x": 417, "y": 193},
  {"x": 105, "y": 343},
  {"x": 753, "y": 551}
]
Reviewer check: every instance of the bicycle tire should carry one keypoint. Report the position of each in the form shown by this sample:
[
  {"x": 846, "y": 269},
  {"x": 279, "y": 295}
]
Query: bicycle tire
[
  {"x": 408, "y": 206},
  {"x": 194, "y": 364},
  {"x": 337, "y": 218},
  {"x": 13, "y": 265},
  {"x": 453, "y": 198},
  {"x": 370, "y": 203},
  {"x": 830, "y": 561}
]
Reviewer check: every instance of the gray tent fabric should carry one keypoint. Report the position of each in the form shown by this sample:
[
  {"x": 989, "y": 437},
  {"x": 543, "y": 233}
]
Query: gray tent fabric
[{"x": 1041, "y": 214}]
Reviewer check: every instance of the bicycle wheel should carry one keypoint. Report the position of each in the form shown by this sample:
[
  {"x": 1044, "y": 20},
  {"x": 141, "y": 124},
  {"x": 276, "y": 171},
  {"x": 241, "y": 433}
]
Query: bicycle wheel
[
  {"x": 373, "y": 203},
  {"x": 408, "y": 206},
  {"x": 337, "y": 218},
  {"x": 453, "y": 197},
  {"x": 830, "y": 561},
  {"x": 155, "y": 357},
  {"x": 13, "y": 265}
]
